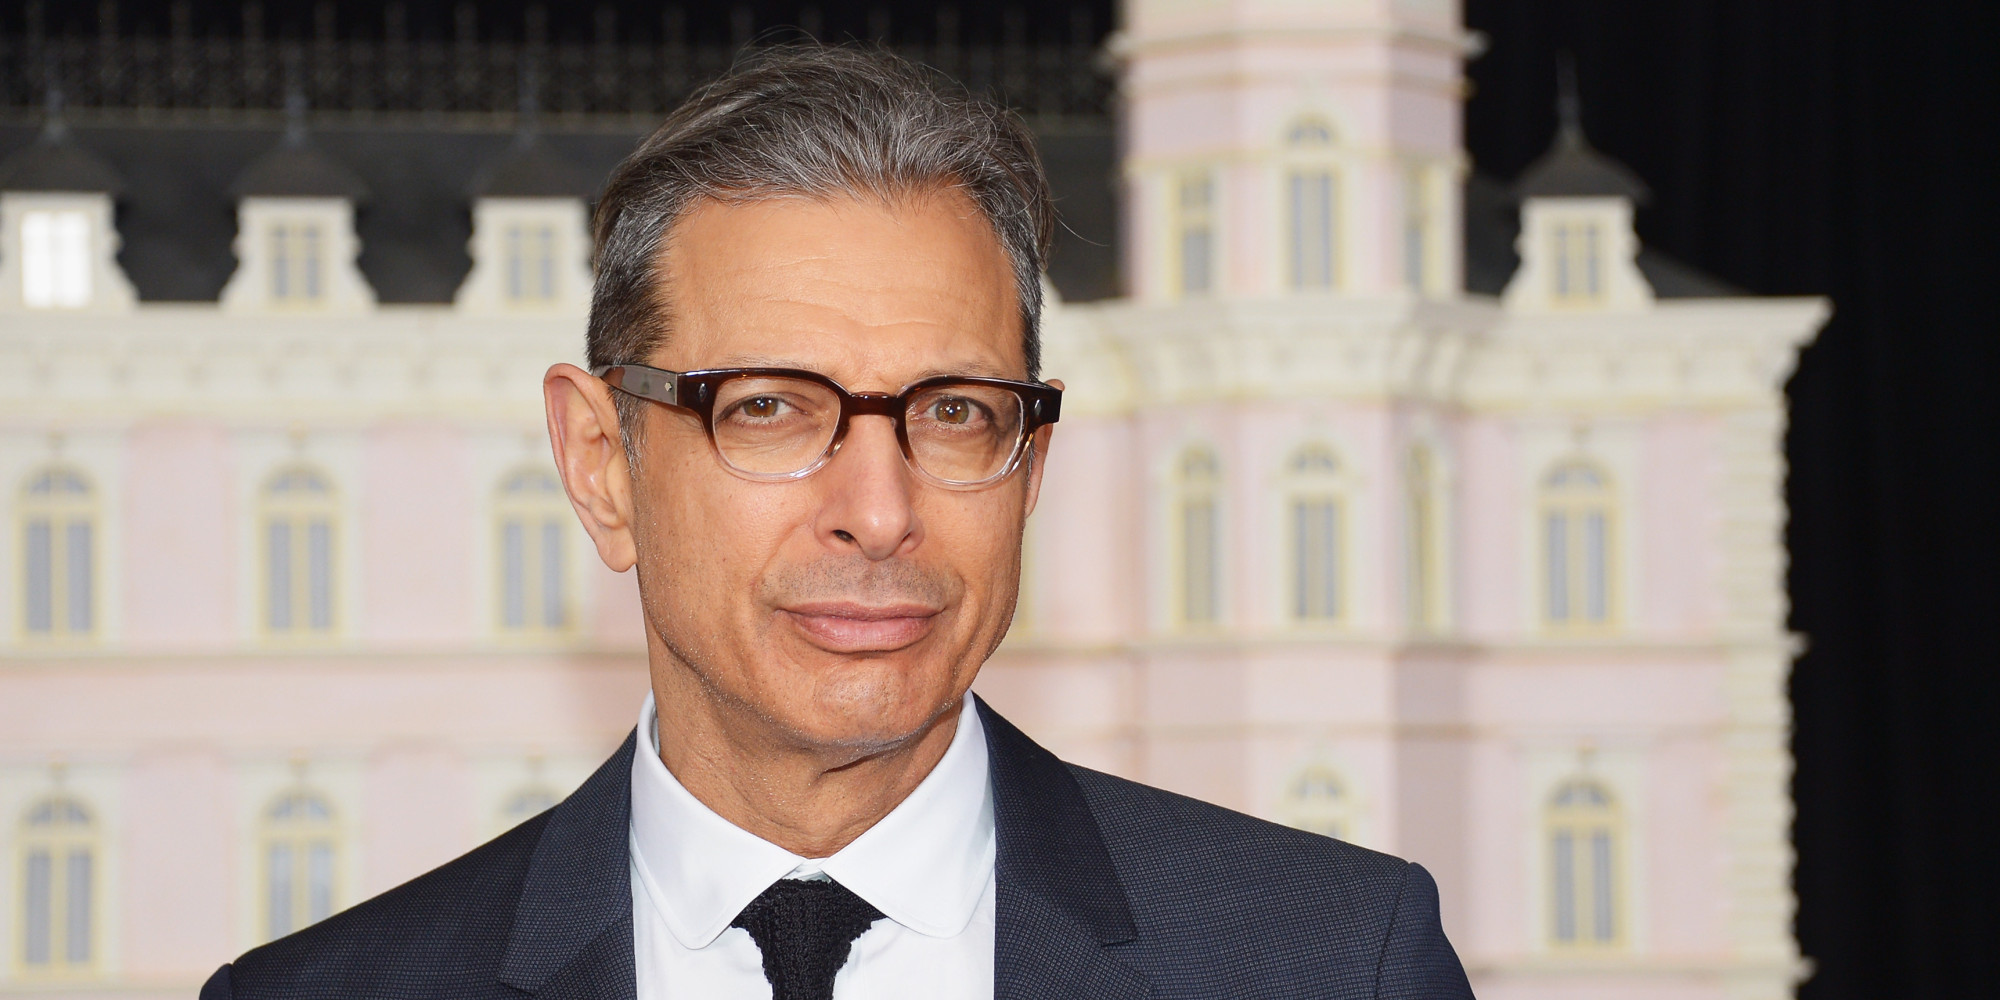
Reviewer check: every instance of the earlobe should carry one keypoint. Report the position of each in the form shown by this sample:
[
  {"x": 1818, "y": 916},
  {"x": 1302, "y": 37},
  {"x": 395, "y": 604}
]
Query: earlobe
[{"x": 590, "y": 457}]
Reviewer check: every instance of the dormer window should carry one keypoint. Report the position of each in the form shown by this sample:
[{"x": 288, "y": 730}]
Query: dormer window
[
  {"x": 55, "y": 259},
  {"x": 531, "y": 263},
  {"x": 1577, "y": 252},
  {"x": 296, "y": 255},
  {"x": 530, "y": 242}
]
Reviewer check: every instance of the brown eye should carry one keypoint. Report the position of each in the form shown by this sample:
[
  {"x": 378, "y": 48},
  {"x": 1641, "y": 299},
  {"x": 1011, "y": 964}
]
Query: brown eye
[
  {"x": 952, "y": 411},
  {"x": 760, "y": 407}
]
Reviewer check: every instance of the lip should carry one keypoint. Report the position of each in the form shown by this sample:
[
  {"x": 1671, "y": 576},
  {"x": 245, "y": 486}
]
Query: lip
[{"x": 847, "y": 627}]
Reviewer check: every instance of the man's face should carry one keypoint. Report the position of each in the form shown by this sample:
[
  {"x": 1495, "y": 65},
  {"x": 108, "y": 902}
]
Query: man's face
[{"x": 852, "y": 607}]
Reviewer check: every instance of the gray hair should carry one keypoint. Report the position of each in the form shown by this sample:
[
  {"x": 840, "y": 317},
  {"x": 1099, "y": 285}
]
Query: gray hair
[{"x": 819, "y": 121}]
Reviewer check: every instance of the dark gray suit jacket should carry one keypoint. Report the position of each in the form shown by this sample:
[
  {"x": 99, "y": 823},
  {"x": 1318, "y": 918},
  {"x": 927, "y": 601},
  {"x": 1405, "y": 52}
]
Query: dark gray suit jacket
[{"x": 1106, "y": 890}]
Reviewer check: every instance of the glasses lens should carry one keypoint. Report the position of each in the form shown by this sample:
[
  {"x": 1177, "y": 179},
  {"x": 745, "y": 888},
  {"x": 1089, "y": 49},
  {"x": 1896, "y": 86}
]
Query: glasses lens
[
  {"x": 774, "y": 426},
  {"x": 964, "y": 432}
]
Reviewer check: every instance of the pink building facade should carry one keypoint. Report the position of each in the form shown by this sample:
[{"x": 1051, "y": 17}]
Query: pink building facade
[{"x": 292, "y": 610}]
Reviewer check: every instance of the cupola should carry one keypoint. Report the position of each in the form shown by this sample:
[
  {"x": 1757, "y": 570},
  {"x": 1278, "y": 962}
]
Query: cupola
[
  {"x": 530, "y": 242},
  {"x": 295, "y": 241},
  {"x": 1578, "y": 247},
  {"x": 58, "y": 235}
]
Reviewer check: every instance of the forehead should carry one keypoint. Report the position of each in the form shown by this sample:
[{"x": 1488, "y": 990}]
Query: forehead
[{"x": 870, "y": 292}]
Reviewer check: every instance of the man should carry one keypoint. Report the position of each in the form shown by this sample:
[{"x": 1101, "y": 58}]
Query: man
[{"x": 812, "y": 424}]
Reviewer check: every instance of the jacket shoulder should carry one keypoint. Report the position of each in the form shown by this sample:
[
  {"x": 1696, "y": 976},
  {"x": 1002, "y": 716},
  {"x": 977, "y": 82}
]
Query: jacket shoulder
[
  {"x": 1236, "y": 905},
  {"x": 1153, "y": 829},
  {"x": 442, "y": 933}
]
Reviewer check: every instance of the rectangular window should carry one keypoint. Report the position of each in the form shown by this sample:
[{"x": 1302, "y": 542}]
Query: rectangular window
[
  {"x": 552, "y": 575},
  {"x": 1600, "y": 887},
  {"x": 514, "y": 574},
  {"x": 319, "y": 574},
  {"x": 1558, "y": 567},
  {"x": 1197, "y": 234},
  {"x": 1577, "y": 256},
  {"x": 1564, "y": 861},
  {"x": 319, "y": 881},
  {"x": 1416, "y": 232},
  {"x": 1199, "y": 586},
  {"x": 545, "y": 263},
  {"x": 57, "y": 578},
  {"x": 78, "y": 562},
  {"x": 278, "y": 575},
  {"x": 278, "y": 889},
  {"x": 1315, "y": 560},
  {"x": 296, "y": 262},
  {"x": 1312, "y": 229},
  {"x": 55, "y": 259},
  {"x": 76, "y": 896},
  {"x": 531, "y": 263},
  {"x": 1594, "y": 604},
  {"x": 39, "y": 883},
  {"x": 39, "y": 552}
]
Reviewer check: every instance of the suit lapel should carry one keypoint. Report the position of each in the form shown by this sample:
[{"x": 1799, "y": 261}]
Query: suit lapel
[
  {"x": 1060, "y": 911},
  {"x": 572, "y": 934}
]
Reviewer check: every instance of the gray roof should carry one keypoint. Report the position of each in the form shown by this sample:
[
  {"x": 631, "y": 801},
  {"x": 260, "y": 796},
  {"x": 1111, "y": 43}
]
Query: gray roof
[
  {"x": 177, "y": 204},
  {"x": 298, "y": 169},
  {"x": 1572, "y": 169},
  {"x": 530, "y": 169},
  {"x": 53, "y": 163}
]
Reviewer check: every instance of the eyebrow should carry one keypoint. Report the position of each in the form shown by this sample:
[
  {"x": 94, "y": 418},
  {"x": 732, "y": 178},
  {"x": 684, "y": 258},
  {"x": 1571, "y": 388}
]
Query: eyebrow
[{"x": 977, "y": 369}]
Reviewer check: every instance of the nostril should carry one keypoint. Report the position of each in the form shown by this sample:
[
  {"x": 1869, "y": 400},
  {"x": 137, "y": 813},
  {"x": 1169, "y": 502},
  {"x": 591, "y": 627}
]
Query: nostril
[{"x": 842, "y": 535}]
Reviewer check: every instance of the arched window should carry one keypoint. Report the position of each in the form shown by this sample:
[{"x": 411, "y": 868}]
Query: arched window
[
  {"x": 1425, "y": 543},
  {"x": 301, "y": 861},
  {"x": 1312, "y": 207},
  {"x": 1196, "y": 224},
  {"x": 531, "y": 263},
  {"x": 534, "y": 517},
  {"x": 1576, "y": 547},
  {"x": 1584, "y": 846},
  {"x": 527, "y": 801},
  {"x": 300, "y": 525},
  {"x": 1315, "y": 522},
  {"x": 1317, "y": 800},
  {"x": 59, "y": 874},
  {"x": 58, "y": 554},
  {"x": 1199, "y": 529}
]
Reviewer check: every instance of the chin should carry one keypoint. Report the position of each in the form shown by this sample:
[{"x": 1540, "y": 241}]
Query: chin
[{"x": 877, "y": 709}]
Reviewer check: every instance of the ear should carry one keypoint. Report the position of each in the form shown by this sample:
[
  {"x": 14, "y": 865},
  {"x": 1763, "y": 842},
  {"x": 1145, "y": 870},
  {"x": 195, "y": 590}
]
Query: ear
[
  {"x": 1038, "y": 457},
  {"x": 590, "y": 455}
]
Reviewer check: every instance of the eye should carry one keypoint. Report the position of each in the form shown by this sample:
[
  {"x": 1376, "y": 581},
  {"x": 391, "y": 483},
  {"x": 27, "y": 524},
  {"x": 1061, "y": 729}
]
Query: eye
[
  {"x": 952, "y": 410},
  {"x": 761, "y": 407}
]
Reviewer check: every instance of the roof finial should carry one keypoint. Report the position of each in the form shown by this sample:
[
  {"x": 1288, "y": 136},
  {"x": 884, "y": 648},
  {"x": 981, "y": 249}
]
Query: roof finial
[
  {"x": 54, "y": 125},
  {"x": 295, "y": 116},
  {"x": 1569, "y": 108},
  {"x": 529, "y": 99}
]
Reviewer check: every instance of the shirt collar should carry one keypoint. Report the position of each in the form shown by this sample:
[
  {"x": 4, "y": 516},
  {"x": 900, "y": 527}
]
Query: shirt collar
[{"x": 924, "y": 865}]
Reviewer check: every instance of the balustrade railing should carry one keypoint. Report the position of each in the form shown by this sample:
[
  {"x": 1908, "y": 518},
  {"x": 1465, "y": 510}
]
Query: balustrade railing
[{"x": 184, "y": 77}]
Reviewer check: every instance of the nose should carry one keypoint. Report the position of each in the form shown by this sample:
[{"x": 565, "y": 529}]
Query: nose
[{"x": 869, "y": 493}]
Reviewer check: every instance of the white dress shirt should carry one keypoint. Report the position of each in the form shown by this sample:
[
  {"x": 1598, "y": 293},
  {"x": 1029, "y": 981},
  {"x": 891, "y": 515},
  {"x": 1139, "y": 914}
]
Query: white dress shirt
[{"x": 928, "y": 866}]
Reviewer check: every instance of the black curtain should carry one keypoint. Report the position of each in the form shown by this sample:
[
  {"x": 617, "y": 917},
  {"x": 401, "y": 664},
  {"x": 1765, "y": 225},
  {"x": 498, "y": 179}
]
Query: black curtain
[{"x": 1848, "y": 149}]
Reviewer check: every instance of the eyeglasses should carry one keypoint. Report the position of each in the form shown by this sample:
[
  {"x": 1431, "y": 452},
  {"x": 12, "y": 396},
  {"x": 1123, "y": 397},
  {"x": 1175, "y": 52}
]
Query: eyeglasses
[{"x": 775, "y": 424}]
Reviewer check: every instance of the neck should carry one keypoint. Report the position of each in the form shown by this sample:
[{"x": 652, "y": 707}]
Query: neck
[{"x": 809, "y": 798}]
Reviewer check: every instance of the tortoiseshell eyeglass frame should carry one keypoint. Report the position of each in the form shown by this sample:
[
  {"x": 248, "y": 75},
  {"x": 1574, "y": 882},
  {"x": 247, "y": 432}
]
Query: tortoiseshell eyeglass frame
[{"x": 697, "y": 391}]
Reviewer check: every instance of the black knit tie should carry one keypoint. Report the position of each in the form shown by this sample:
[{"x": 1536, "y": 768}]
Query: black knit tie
[{"x": 805, "y": 928}]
